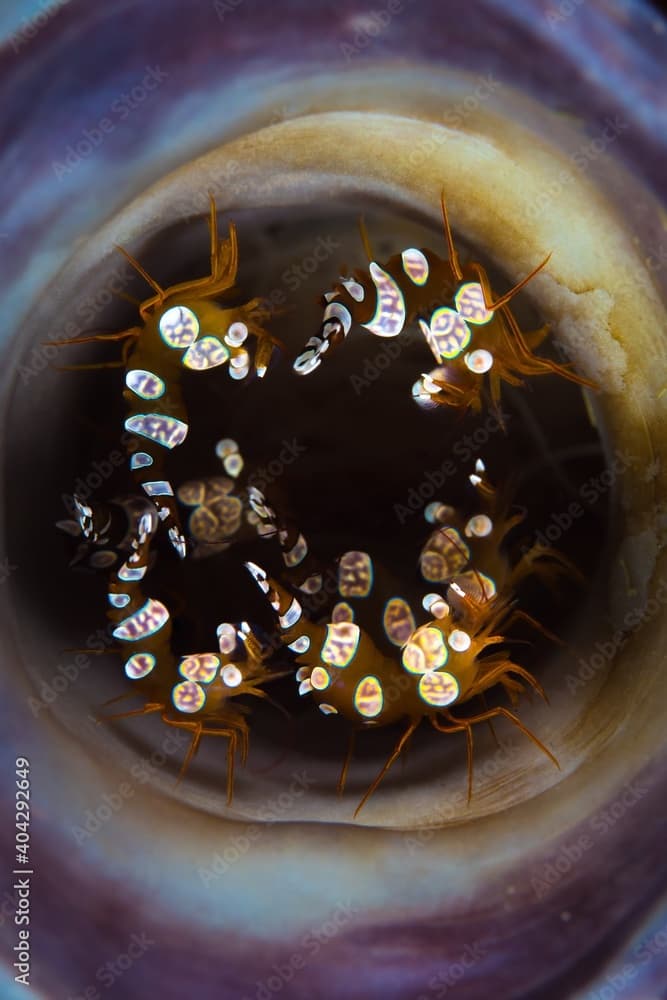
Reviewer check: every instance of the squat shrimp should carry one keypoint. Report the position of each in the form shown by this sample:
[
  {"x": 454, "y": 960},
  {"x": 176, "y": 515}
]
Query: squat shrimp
[
  {"x": 182, "y": 327},
  {"x": 471, "y": 332}
]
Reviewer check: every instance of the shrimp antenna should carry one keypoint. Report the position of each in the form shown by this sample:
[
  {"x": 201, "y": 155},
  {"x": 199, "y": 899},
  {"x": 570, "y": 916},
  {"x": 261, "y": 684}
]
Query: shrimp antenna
[
  {"x": 365, "y": 238},
  {"x": 504, "y": 299},
  {"x": 453, "y": 255},
  {"x": 395, "y": 754},
  {"x": 141, "y": 270}
]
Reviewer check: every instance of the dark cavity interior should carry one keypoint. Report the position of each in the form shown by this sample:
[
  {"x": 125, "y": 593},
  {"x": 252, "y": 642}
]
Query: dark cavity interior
[{"x": 362, "y": 447}]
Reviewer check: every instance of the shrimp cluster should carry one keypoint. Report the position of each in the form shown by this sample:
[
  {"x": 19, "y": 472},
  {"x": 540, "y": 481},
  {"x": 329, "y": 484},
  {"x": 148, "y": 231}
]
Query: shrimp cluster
[
  {"x": 195, "y": 326},
  {"x": 195, "y": 691},
  {"x": 472, "y": 334},
  {"x": 438, "y": 664},
  {"x": 182, "y": 327},
  {"x": 412, "y": 665}
]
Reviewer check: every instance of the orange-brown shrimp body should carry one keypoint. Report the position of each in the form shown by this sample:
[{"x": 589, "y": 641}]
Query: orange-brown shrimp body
[
  {"x": 465, "y": 556},
  {"x": 182, "y": 327},
  {"x": 105, "y": 530},
  {"x": 440, "y": 665},
  {"x": 221, "y": 507},
  {"x": 471, "y": 333},
  {"x": 302, "y": 569},
  {"x": 228, "y": 509},
  {"x": 195, "y": 691}
]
